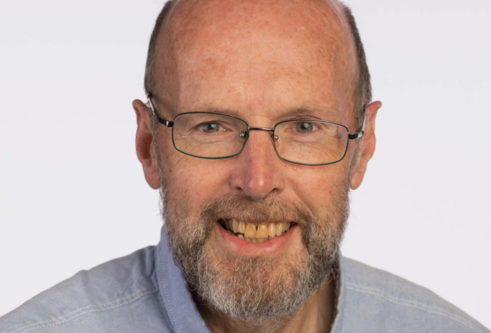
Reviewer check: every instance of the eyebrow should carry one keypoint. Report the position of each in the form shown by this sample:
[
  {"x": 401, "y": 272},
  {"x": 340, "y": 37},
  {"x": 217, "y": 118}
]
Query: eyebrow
[
  {"x": 308, "y": 113},
  {"x": 290, "y": 114}
]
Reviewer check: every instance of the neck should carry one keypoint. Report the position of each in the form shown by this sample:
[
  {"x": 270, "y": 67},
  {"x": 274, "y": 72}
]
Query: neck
[{"x": 315, "y": 315}]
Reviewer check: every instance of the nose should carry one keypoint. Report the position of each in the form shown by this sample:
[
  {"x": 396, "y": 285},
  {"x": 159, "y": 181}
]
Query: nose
[{"x": 257, "y": 173}]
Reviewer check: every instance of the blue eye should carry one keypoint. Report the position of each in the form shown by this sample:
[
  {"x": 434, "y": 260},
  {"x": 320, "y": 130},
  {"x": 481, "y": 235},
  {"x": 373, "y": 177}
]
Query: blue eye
[{"x": 304, "y": 127}]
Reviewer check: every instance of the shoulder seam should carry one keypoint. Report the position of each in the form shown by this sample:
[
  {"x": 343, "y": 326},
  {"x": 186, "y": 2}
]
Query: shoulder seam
[
  {"x": 88, "y": 309},
  {"x": 400, "y": 301}
]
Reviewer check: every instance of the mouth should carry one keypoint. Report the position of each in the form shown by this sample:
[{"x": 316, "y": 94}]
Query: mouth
[{"x": 255, "y": 232}]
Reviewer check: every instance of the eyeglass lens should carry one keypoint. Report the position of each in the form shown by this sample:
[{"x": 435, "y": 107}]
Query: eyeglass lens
[{"x": 209, "y": 135}]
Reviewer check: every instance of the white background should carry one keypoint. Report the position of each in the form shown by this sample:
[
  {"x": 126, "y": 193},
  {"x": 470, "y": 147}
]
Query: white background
[{"x": 72, "y": 194}]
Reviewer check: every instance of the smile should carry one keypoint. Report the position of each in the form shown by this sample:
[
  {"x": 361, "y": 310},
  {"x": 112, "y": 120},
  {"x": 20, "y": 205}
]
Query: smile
[{"x": 255, "y": 233}]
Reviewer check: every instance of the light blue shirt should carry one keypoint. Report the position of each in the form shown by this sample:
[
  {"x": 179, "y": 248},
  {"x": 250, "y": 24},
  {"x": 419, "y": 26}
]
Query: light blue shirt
[{"x": 145, "y": 292}]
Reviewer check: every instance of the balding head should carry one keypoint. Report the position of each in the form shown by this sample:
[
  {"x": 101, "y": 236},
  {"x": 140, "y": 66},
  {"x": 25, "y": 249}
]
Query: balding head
[{"x": 252, "y": 28}]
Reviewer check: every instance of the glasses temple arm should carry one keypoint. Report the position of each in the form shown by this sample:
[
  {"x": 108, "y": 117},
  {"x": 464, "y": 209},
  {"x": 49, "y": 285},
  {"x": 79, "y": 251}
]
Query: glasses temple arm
[
  {"x": 362, "y": 131},
  {"x": 160, "y": 120}
]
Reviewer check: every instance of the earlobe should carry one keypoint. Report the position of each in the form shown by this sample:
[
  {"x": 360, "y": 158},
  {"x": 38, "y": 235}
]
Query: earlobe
[
  {"x": 367, "y": 146},
  {"x": 357, "y": 177},
  {"x": 144, "y": 150}
]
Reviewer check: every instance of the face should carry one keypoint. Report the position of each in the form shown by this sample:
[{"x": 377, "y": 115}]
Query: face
[{"x": 253, "y": 234}]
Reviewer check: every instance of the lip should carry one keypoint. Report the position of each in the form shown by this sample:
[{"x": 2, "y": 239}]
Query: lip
[{"x": 236, "y": 245}]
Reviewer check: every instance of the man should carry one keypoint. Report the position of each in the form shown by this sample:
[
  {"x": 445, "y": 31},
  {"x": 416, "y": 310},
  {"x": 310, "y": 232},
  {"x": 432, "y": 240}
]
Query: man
[{"x": 258, "y": 122}]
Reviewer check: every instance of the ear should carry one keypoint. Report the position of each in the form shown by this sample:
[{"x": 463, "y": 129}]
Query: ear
[
  {"x": 367, "y": 145},
  {"x": 144, "y": 150}
]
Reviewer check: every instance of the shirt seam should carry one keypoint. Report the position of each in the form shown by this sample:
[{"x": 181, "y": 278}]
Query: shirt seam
[
  {"x": 171, "y": 312},
  {"x": 407, "y": 303},
  {"x": 88, "y": 309},
  {"x": 159, "y": 256}
]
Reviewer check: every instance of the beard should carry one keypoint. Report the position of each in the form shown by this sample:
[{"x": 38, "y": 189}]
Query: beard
[{"x": 254, "y": 288}]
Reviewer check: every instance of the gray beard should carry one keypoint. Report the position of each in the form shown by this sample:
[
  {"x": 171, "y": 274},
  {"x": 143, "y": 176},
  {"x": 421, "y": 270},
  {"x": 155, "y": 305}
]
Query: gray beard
[{"x": 257, "y": 288}]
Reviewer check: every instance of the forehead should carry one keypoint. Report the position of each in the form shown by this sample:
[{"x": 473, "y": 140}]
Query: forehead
[{"x": 259, "y": 54}]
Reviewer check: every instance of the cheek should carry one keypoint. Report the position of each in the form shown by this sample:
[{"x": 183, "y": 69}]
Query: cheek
[
  {"x": 319, "y": 187},
  {"x": 194, "y": 182}
]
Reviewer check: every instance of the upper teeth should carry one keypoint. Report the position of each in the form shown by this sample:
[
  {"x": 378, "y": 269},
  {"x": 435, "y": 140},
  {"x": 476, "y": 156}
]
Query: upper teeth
[{"x": 253, "y": 234}]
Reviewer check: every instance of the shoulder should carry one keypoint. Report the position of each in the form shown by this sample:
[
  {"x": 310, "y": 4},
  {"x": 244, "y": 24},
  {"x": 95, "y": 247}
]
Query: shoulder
[
  {"x": 93, "y": 299},
  {"x": 386, "y": 302}
]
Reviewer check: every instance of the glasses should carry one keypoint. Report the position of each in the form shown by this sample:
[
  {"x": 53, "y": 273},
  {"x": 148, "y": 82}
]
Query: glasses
[{"x": 217, "y": 136}]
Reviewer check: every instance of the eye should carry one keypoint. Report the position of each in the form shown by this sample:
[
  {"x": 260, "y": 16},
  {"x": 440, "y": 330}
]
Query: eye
[
  {"x": 304, "y": 127},
  {"x": 209, "y": 127}
]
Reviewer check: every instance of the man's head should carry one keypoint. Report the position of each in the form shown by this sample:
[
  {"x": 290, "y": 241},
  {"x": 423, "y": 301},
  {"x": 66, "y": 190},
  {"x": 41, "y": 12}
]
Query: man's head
[{"x": 264, "y": 62}]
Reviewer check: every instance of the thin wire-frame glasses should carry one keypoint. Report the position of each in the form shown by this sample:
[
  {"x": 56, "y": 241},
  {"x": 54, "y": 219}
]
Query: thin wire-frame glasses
[{"x": 217, "y": 136}]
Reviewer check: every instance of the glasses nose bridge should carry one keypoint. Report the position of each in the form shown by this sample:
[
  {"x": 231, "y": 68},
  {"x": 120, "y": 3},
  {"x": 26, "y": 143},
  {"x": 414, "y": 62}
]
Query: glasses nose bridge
[
  {"x": 271, "y": 130},
  {"x": 245, "y": 135}
]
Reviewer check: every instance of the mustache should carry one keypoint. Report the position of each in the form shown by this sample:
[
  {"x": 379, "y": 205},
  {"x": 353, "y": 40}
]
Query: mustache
[{"x": 246, "y": 209}]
